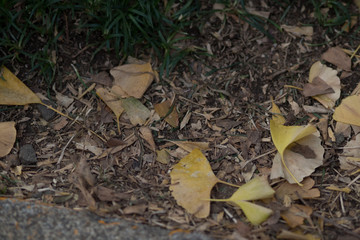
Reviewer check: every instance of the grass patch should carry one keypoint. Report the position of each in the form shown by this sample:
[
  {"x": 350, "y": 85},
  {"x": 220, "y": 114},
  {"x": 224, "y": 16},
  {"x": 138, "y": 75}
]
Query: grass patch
[{"x": 119, "y": 24}]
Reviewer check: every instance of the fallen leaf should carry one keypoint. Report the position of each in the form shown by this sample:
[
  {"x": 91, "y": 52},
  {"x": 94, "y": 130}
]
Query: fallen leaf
[
  {"x": 306, "y": 31},
  {"x": 348, "y": 111},
  {"x": 317, "y": 87},
  {"x": 13, "y": 91},
  {"x": 83, "y": 171},
  {"x": 136, "y": 209},
  {"x": 135, "y": 110},
  {"x": 190, "y": 146},
  {"x": 147, "y": 135},
  {"x": 329, "y": 76},
  {"x": 113, "y": 102},
  {"x": 166, "y": 109},
  {"x": 108, "y": 195},
  {"x": 255, "y": 189},
  {"x": 163, "y": 156},
  {"x": 134, "y": 79},
  {"x": 350, "y": 157},
  {"x": 294, "y": 191},
  {"x": 285, "y": 234},
  {"x": 295, "y": 215},
  {"x": 338, "y": 57},
  {"x": 191, "y": 182},
  {"x": 289, "y": 163},
  {"x": 353, "y": 21},
  {"x": 185, "y": 120},
  {"x": 7, "y": 137}
]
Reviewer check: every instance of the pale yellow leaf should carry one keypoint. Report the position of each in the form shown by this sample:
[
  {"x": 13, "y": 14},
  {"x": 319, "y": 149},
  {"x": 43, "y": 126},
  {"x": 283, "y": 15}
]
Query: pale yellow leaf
[
  {"x": 277, "y": 115},
  {"x": 348, "y": 111},
  {"x": 7, "y": 137},
  {"x": 301, "y": 159},
  {"x": 256, "y": 214},
  {"x": 135, "y": 110},
  {"x": 329, "y": 76},
  {"x": 13, "y": 91},
  {"x": 163, "y": 156},
  {"x": 191, "y": 182},
  {"x": 255, "y": 189}
]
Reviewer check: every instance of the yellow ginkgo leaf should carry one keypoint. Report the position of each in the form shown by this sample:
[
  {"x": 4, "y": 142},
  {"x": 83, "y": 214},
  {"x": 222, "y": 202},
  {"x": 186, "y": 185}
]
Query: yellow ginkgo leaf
[
  {"x": 277, "y": 115},
  {"x": 191, "y": 182},
  {"x": 112, "y": 101},
  {"x": 13, "y": 91},
  {"x": 300, "y": 159},
  {"x": 255, "y": 189},
  {"x": 348, "y": 111},
  {"x": 255, "y": 213},
  {"x": 7, "y": 137},
  {"x": 328, "y": 75},
  {"x": 284, "y": 136}
]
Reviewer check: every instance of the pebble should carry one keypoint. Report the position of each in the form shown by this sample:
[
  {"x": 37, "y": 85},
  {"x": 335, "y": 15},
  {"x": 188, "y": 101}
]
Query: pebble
[
  {"x": 27, "y": 155},
  {"x": 45, "y": 112}
]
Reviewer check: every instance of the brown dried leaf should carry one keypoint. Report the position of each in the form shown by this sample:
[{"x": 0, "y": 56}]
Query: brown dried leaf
[
  {"x": 317, "y": 87},
  {"x": 163, "y": 110},
  {"x": 296, "y": 214},
  {"x": 338, "y": 57},
  {"x": 294, "y": 190},
  {"x": 108, "y": 195},
  {"x": 147, "y": 135},
  {"x": 135, "y": 209},
  {"x": 134, "y": 79}
]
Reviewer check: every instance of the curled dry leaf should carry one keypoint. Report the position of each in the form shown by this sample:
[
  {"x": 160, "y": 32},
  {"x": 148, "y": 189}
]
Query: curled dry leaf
[
  {"x": 350, "y": 158},
  {"x": 301, "y": 158},
  {"x": 329, "y": 76},
  {"x": 7, "y": 137},
  {"x": 13, "y": 91},
  {"x": 134, "y": 79},
  {"x": 255, "y": 189},
  {"x": 191, "y": 182},
  {"x": 135, "y": 110},
  {"x": 299, "y": 149},
  {"x": 348, "y": 111}
]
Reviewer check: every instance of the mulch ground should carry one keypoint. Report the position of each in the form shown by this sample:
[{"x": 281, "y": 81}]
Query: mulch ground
[{"x": 228, "y": 97}]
